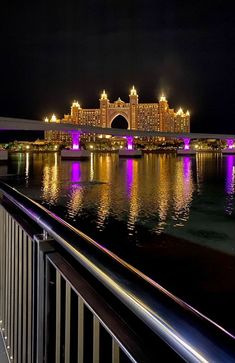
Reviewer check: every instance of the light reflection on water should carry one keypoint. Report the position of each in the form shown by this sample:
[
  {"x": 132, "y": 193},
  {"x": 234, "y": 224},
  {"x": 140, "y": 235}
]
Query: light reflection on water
[
  {"x": 156, "y": 191},
  {"x": 51, "y": 180},
  {"x": 229, "y": 184}
]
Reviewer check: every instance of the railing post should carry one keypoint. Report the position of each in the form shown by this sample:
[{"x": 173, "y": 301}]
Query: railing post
[{"x": 43, "y": 246}]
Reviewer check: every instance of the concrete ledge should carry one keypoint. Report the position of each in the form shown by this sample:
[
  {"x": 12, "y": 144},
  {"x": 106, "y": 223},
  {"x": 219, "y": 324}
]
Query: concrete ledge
[
  {"x": 186, "y": 152},
  {"x": 124, "y": 153},
  {"x": 75, "y": 154},
  {"x": 3, "y": 155},
  {"x": 228, "y": 151}
]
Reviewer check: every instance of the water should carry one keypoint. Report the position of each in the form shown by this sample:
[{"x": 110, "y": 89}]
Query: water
[{"x": 172, "y": 217}]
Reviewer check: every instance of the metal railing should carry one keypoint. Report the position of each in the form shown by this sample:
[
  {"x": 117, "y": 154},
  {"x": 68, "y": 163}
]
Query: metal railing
[{"x": 65, "y": 298}]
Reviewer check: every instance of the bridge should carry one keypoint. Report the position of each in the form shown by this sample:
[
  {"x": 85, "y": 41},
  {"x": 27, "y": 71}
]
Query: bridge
[{"x": 8, "y": 124}]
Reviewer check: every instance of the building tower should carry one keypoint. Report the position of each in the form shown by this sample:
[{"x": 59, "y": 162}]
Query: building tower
[
  {"x": 133, "y": 108},
  {"x": 104, "y": 102},
  {"x": 187, "y": 121},
  {"x": 163, "y": 111},
  {"x": 76, "y": 113}
]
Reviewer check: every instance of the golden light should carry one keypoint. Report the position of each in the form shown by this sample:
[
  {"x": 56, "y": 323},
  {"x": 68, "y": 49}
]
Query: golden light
[
  {"x": 163, "y": 98},
  {"x": 76, "y": 104},
  {"x": 46, "y": 119},
  {"x": 53, "y": 118},
  {"x": 104, "y": 95},
  {"x": 27, "y": 147},
  {"x": 133, "y": 91},
  {"x": 180, "y": 111}
]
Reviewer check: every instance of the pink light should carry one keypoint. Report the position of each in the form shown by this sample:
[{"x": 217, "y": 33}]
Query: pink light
[
  {"x": 129, "y": 175},
  {"x": 130, "y": 142},
  {"x": 75, "y": 140},
  {"x": 186, "y": 143},
  {"x": 229, "y": 143},
  {"x": 76, "y": 172}
]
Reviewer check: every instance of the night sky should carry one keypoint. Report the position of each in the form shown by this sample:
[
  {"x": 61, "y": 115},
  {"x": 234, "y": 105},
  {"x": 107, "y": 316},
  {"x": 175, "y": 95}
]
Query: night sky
[{"x": 55, "y": 52}]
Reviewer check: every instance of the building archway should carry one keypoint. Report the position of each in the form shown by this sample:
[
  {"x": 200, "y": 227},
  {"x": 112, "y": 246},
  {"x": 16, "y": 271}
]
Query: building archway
[{"x": 119, "y": 122}]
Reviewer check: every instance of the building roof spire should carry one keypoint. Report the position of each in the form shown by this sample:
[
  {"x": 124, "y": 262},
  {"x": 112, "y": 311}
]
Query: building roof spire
[
  {"x": 104, "y": 95},
  {"x": 163, "y": 98},
  {"x": 133, "y": 91},
  {"x": 53, "y": 118},
  {"x": 76, "y": 104}
]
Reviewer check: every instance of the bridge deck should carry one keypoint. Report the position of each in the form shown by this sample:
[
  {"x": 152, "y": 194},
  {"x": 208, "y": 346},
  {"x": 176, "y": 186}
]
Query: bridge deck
[{"x": 7, "y": 123}]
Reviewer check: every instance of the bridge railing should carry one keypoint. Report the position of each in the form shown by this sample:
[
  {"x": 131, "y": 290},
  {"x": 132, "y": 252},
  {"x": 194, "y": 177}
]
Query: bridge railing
[{"x": 65, "y": 298}]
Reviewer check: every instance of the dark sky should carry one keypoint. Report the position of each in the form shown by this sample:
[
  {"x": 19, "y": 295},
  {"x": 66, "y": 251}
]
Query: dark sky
[{"x": 54, "y": 52}]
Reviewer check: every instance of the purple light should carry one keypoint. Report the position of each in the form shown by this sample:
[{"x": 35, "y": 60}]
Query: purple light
[
  {"x": 129, "y": 175},
  {"x": 76, "y": 172},
  {"x": 130, "y": 140},
  {"x": 186, "y": 143},
  {"x": 229, "y": 143},
  {"x": 75, "y": 140},
  {"x": 229, "y": 184},
  {"x": 187, "y": 167}
]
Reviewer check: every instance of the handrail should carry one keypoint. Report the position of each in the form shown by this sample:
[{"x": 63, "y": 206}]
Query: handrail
[{"x": 191, "y": 335}]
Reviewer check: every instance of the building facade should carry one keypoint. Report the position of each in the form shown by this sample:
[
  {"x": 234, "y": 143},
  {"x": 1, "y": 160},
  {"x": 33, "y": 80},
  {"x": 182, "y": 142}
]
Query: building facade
[{"x": 157, "y": 116}]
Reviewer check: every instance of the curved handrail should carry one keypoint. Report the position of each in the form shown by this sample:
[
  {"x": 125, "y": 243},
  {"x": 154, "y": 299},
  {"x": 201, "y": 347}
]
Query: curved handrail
[{"x": 193, "y": 336}]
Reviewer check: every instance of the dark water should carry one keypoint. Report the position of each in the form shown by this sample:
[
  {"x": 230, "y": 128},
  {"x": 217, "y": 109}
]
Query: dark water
[{"x": 172, "y": 217}]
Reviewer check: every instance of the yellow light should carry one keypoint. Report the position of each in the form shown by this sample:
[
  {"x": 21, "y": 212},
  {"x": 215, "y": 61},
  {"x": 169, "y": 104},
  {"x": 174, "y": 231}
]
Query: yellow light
[
  {"x": 53, "y": 118},
  {"x": 180, "y": 111},
  {"x": 163, "y": 98},
  {"x": 91, "y": 146},
  {"x": 104, "y": 95},
  {"x": 46, "y": 119},
  {"x": 133, "y": 91},
  {"x": 187, "y": 113},
  {"x": 27, "y": 147},
  {"x": 76, "y": 104}
]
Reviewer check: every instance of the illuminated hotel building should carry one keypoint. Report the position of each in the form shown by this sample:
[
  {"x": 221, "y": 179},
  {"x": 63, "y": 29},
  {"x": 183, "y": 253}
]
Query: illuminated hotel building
[{"x": 157, "y": 116}]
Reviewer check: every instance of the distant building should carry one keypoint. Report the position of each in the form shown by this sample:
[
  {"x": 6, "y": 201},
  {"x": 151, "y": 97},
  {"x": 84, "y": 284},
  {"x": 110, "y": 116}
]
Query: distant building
[{"x": 132, "y": 115}]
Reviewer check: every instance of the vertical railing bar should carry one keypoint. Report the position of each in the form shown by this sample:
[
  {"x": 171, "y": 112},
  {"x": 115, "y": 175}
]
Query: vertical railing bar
[
  {"x": 34, "y": 306},
  {"x": 12, "y": 286},
  {"x": 96, "y": 339},
  {"x": 16, "y": 293},
  {"x": 30, "y": 271},
  {"x": 115, "y": 351},
  {"x": 9, "y": 284},
  {"x": 1, "y": 257},
  {"x": 20, "y": 308},
  {"x": 58, "y": 317},
  {"x": 67, "y": 321},
  {"x": 4, "y": 273},
  {"x": 80, "y": 330},
  {"x": 24, "y": 332},
  {"x": 47, "y": 350},
  {"x": 1, "y": 266},
  {"x": 42, "y": 247},
  {"x": 6, "y": 300}
]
